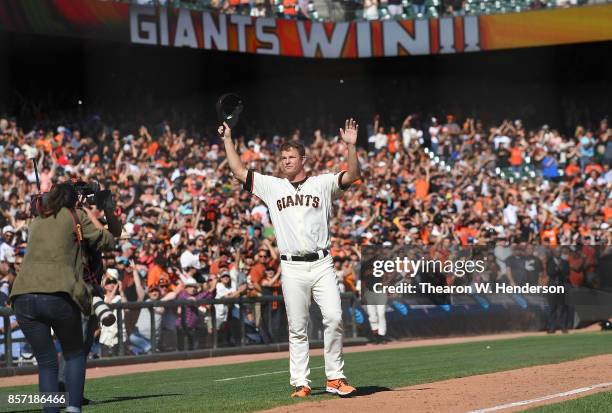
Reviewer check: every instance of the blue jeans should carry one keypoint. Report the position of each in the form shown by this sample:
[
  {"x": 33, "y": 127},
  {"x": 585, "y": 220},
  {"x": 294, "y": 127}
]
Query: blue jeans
[
  {"x": 89, "y": 325},
  {"x": 36, "y": 315},
  {"x": 418, "y": 8},
  {"x": 142, "y": 344},
  {"x": 584, "y": 161}
]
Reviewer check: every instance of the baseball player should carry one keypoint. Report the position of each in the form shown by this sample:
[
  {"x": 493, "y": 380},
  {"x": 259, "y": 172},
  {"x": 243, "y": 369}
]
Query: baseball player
[
  {"x": 300, "y": 207},
  {"x": 378, "y": 322}
]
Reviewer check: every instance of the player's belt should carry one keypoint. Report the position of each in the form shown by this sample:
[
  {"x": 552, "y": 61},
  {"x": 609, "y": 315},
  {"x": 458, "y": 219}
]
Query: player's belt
[{"x": 313, "y": 256}]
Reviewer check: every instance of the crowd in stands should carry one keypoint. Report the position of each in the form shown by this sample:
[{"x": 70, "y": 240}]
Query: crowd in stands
[
  {"x": 191, "y": 231},
  {"x": 291, "y": 9},
  {"x": 410, "y": 9},
  {"x": 370, "y": 9}
]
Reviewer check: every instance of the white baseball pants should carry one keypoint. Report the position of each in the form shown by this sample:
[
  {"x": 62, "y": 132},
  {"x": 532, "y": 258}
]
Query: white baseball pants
[
  {"x": 376, "y": 315},
  {"x": 301, "y": 282}
]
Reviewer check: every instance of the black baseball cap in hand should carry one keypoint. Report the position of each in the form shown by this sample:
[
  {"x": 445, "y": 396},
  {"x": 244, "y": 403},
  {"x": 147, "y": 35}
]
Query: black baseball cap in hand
[{"x": 229, "y": 106}]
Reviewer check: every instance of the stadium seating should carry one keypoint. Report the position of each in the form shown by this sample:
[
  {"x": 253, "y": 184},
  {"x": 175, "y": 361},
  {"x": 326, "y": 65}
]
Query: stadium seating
[{"x": 433, "y": 8}]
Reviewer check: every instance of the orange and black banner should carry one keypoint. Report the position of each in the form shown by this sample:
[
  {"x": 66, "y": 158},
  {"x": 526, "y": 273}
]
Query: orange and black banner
[{"x": 160, "y": 26}]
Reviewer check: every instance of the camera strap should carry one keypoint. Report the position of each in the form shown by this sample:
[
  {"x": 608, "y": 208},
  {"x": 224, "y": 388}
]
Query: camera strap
[
  {"x": 76, "y": 225},
  {"x": 88, "y": 275}
]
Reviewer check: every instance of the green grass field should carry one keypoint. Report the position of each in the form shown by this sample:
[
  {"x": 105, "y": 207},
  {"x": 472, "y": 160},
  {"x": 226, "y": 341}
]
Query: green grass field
[
  {"x": 599, "y": 403},
  {"x": 199, "y": 389}
]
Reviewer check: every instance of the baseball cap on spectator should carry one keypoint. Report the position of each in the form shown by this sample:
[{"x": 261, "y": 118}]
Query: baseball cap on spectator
[
  {"x": 113, "y": 273},
  {"x": 224, "y": 273},
  {"x": 8, "y": 229},
  {"x": 121, "y": 260},
  {"x": 190, "y": 282},
  {"x": 127, "y": 246}
]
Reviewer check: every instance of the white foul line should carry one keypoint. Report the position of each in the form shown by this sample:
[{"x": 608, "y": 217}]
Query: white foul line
[
  {"x": 263, "y": 374},
  {"x": 543, "y": 398}
]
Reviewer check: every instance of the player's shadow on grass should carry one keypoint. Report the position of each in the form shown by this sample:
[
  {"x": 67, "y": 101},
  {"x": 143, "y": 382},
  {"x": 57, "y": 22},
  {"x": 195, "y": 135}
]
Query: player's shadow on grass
[
  {"x": 128, "y": 398},
  {"x": 361, "y": 391}
]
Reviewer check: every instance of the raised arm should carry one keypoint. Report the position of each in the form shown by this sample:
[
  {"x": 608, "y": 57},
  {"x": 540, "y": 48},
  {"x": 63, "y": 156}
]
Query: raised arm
[
  {"x": 140, "y": 293},
  {"x": 173, "y": 294},
  {"x": 273, "y": 254},
  {"x": 349, "y": 136},
  {"x": 233, "y": 158}
]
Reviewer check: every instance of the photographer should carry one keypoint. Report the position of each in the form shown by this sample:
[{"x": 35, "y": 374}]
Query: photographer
[
  {"x": 90, "y": 194},
  {"x": 49, "y": 291}
]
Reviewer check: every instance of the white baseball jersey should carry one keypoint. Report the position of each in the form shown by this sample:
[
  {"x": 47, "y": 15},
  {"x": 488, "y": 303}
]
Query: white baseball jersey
[{"x": 299, "y": 212}]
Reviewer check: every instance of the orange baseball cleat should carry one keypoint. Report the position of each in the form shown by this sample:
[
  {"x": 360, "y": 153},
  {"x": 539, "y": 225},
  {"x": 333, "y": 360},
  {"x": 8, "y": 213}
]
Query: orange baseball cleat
[
  {"x": 340, "y": 387},
  {"x": 301, "y": 391}
]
